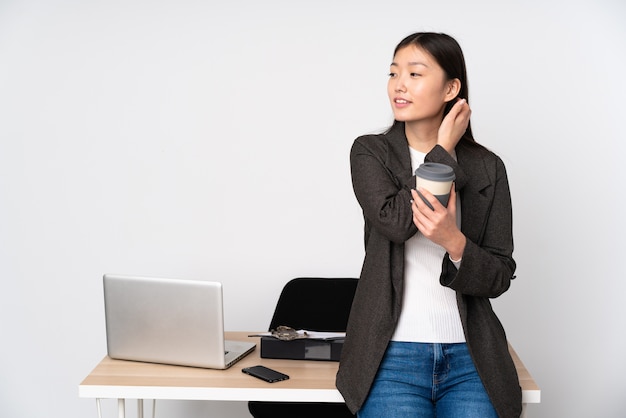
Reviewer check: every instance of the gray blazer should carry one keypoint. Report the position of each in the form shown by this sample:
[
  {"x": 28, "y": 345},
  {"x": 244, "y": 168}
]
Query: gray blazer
[{"x": 382, "y": 179}]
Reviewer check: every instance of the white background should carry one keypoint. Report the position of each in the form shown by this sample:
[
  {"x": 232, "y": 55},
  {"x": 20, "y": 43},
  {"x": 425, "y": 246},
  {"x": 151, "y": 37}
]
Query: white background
[{"x": 206, "y": 139}]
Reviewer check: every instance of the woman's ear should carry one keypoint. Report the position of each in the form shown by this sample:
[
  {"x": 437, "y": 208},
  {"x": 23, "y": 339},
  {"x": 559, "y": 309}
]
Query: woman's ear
[{"x": 453, "y": 88}]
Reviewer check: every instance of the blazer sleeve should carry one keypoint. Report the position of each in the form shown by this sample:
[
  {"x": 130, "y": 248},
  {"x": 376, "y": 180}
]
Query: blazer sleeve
[
  {"x": 382, "y": 191},
  {"x": 487, "y": 266}
]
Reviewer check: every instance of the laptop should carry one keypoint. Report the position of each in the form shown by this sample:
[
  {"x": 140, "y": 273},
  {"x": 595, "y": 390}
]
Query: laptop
[{"x": 168, "y": 321}]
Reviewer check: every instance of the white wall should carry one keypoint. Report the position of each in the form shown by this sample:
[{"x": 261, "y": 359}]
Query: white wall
[{"x": 209, "y": 139}]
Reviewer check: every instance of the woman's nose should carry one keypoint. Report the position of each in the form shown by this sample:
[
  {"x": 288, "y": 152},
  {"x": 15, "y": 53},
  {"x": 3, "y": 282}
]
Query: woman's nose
[{"x": 399, "y": 85}]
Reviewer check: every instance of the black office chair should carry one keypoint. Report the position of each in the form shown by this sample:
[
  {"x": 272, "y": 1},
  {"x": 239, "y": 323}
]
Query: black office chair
[{"x": 319, "y": 304}]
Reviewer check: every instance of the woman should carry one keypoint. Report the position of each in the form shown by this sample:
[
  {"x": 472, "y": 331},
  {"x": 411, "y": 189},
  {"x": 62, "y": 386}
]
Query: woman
[{"x": 422, "y": 339}]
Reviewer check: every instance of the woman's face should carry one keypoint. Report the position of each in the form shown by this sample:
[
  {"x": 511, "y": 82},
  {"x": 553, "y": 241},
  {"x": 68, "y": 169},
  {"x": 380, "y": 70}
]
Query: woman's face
[{"x": 418, "y": 87}]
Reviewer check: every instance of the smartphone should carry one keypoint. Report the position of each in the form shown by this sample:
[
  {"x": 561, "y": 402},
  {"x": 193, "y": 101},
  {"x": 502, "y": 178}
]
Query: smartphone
[{"x": 265, "y": 373}]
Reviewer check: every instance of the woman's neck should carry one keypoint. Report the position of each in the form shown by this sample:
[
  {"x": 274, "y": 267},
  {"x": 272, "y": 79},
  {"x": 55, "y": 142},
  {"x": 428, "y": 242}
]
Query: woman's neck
[{"x": 420, "y": 136}]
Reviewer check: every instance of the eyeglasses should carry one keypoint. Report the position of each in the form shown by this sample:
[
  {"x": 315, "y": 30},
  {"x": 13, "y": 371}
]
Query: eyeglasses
[{"x": 285, "y": 333}]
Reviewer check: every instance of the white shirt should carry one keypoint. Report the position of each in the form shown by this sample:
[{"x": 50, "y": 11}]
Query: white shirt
[{"x": 429, "y": 310}]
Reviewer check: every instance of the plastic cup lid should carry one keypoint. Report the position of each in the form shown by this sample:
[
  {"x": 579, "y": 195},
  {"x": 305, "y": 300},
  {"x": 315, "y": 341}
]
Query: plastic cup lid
[{"x": 435, "y": 172}]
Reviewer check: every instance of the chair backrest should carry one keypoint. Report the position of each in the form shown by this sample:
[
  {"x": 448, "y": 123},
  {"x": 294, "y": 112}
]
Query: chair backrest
[{"x": 315, "y": 303}]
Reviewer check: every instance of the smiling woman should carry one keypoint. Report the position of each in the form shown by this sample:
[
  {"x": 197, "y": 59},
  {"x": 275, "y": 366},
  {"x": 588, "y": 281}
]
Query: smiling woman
[
  {"x": 422, "y": 339},
  {"x": 209, "y": 139}
]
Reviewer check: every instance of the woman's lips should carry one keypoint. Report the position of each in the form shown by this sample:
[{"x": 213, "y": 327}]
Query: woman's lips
[{"x": 400, "y": 102}]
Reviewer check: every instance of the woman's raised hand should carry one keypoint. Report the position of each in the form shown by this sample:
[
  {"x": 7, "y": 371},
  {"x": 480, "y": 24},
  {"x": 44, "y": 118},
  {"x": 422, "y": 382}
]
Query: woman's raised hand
[{"x": 454, "y": 125}]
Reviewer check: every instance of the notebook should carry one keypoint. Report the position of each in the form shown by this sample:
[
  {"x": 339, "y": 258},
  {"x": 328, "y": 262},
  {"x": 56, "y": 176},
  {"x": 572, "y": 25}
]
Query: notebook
[{"x": 169, "y": 321}]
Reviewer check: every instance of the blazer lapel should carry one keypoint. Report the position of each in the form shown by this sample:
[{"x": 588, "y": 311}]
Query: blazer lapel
[
  {"x": 399, "y": 159},
  {"x": 476, "y": 196}
]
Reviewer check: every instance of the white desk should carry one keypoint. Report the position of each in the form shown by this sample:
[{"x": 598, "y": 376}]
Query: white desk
[{"x": 310, "y": 381}]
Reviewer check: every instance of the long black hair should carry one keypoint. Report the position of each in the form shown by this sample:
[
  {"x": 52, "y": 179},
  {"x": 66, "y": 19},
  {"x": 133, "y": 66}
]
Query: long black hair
[{"x": 448, "y": 54}]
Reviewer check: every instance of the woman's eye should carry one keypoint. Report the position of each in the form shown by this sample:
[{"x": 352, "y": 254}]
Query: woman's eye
[
  {"x": 415, "y": 75},
  {"x": 392, "y": 75}
]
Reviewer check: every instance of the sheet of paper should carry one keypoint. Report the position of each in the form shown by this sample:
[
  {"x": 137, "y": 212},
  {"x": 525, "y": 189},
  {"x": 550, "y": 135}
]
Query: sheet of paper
[{"x": 314, "y": 335}]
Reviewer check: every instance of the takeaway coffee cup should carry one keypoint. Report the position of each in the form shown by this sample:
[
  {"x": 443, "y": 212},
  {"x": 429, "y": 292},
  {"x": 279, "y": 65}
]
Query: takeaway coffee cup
[{"x": 436, "y": 178}]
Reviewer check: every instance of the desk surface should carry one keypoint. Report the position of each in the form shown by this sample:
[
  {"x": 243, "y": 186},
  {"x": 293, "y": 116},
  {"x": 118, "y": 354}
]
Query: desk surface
[{"x": 310, "y": 381}]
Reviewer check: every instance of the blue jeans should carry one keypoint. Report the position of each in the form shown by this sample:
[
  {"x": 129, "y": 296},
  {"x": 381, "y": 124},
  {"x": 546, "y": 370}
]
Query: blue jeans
[{"x": 421, "y": 380}]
